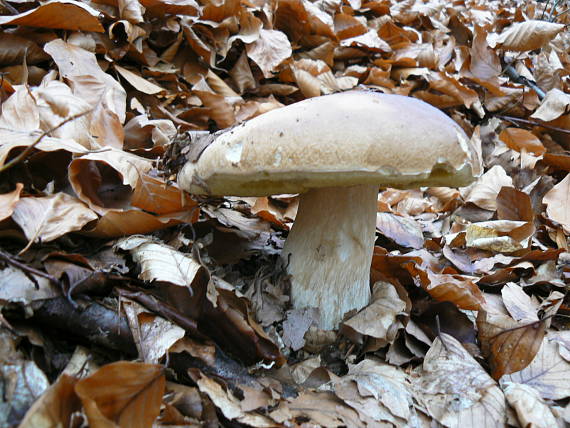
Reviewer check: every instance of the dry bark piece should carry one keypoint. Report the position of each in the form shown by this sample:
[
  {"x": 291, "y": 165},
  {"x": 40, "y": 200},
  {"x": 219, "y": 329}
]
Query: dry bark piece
[{"x": 303, "y": 148}]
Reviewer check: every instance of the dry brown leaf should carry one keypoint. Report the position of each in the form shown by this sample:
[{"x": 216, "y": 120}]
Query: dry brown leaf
[
  {"x": 557, "y": 202},
  {"x": 44, "y": 219},
  {"x": 173, "y": 7},
  {"x": 449, "y": 85},
  {"x": 124, "y": 393},
  {"x": 485, "y": 63},
  {"x": 269, "y": 50},
  {"x": 55, "y": 407},
  {"x": 520, "y": 139},
  {"x": 10, "y": 140},
  {"x": 8, "y": 201},
  {"x": 105, "y": 180},
  {"x": 461, "y": 291},
  {"x": 528, "y": 35},
  {"x": 508, "y": 346},
  {"x": 484, "y": 192},
  {"x": 20, "y": 112},
  {"x": 144, "y": 133},
  {"x": 62, "y": 14},
  {"x": 554, "y": 105},
  {"x": 547, "y": 373},
  {"x": 131, "y": 10},
  {"x": 14, "y": 48},
  {"x": 455, "y": 389},
  {"x": 512, "y": 204},
  {"x": 86, "y": 78},
  {"x": 131, "y": 222}
]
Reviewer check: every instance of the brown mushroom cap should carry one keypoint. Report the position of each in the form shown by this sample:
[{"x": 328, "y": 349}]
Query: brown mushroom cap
[{"x": 345, "y": 139}]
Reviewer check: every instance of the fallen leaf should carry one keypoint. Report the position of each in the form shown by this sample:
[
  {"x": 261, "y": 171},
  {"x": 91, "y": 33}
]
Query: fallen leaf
[
  {"x": 557, "y": 202},
  {"x": 46, "y": 218},
  {"x": 509, "y": 346},
  {"x": 59, "y": 14},
  {"x": 455, "y": 389},
  {"x": 269, "y": 50},
  {"x": 485, "y": 190},
  {"x": 520, "y": 139},
  {"x": 380, "y": 316},
  {"x": 530, "y": 408},
  {"x": 554, "y": 105},
  {"x": 125, "y": 393},
  {"x": 159, "y": 262},
  {"x": 528, "y": 35},
  {"x": 9, "y": 200},
  {"x": 55, "y": 406},
  {"x": 404, "y": 231},
  {"x": 547, "y": 373}
]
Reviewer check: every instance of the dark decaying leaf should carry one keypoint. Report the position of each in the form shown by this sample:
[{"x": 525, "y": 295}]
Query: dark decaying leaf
[{"x": 508, "y": 349}]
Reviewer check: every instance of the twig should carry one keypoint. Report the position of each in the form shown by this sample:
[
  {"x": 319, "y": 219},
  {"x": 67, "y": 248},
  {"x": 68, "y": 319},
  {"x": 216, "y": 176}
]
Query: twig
[
  {"x": 28, "y": 271},
  {"x": 514, "y": 75},
  {"x": 28, "y": 149},
  {"x": 533, "y": 122}
]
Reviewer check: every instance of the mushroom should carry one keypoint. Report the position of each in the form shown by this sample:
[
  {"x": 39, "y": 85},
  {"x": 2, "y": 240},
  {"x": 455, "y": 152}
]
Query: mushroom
[{"x": 336, "y": 151}]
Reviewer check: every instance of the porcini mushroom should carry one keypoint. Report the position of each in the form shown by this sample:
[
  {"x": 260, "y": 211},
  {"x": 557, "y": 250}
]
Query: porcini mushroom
[{"x": 336, "y": 151}]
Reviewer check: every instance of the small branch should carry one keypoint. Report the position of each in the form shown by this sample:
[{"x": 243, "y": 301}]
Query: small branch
[
  {"x": 514, "y": 75},
  {"x": 533, "y": 122},
  {"x": 28, "y": 150}
]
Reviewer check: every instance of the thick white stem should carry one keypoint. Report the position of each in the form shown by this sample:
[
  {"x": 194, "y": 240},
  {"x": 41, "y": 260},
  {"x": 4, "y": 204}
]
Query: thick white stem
[{"x": 329, "y": 250}]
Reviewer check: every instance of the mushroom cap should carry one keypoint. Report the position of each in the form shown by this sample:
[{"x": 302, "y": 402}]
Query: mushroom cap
[{"x": 344, "y": 139}]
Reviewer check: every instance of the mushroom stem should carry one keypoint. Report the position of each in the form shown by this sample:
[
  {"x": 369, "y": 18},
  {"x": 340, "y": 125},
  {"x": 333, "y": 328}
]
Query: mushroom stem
[{"x": 329, "y": 250}]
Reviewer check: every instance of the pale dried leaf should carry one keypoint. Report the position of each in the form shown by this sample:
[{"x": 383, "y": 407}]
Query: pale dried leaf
[
  {"x": 139, "y": 83},
  {"x": 159, "y": 262},
  {"x": 376, "y": 319},
  {"x": 8, "y": 201},
  {"x": 557, "y": 202},
  {"x": 548, "y": 372},
  {"x": 153, "y": 335},
  {"x": 518, "y": 303},
  {"x": 16, "y": 287},
  {"x": 269, "y": 50},
  {"x": 531, "y": 409},
  {"x": 484, "y": 192},
  {"x": 456, "y": 390},
  {"x": 403, "y": 231},
  {"x": 528, "y": 35},
  {"x": 554, "y": 105},
  {"x": 46, "y": 218},
  {"x": 20, "y": 112}
]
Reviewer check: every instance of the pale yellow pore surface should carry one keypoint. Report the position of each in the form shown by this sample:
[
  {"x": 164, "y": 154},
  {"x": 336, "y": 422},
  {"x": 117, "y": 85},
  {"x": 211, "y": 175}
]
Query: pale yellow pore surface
[{"x": 345, "y": 139}]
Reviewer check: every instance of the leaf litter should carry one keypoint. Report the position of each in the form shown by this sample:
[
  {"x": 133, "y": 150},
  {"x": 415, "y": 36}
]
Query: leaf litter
[{"x": 125, "y": 301}]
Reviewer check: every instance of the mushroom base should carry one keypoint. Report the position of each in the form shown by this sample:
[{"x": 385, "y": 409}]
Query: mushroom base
[{"x": 329, "y": 250}]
